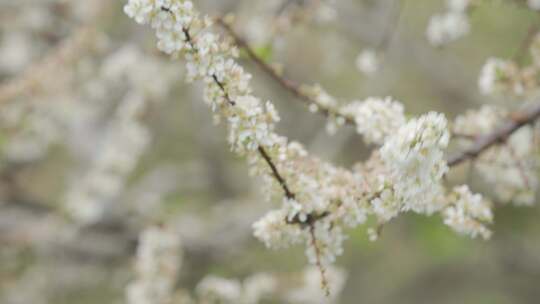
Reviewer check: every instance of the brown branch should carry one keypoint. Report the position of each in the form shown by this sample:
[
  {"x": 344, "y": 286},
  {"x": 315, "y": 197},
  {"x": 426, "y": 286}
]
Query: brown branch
[
  {"x": 289, "y": 194},
  {"x": 519, "y": 166},
  {"x": 293, "y": 88},
  {"x": 275, "y": 172},
  {"x": 517, "y": 120},
  {"x": 482, "y": 143},
  {"x": 318, "y": 263}
]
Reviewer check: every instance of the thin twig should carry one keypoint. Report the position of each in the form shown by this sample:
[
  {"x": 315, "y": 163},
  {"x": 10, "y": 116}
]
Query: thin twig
[
  {"x": 275, "y": 172},
  {"x": 318, "y": 263},
  {"x": 293, "y": 88},
  {"x": 482, "y": 143},
  {"x": 391, "y": 27},
  {"x": 519, "y": 166}
]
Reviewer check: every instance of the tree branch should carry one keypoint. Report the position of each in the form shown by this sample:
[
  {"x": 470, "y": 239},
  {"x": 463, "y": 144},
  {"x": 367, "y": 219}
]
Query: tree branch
[
  {"x": 517, "y": 120},
  {"x": 482, "y": 143},
  {"x": 275, "y": 172},
  {"x": 293, "y": 88}
]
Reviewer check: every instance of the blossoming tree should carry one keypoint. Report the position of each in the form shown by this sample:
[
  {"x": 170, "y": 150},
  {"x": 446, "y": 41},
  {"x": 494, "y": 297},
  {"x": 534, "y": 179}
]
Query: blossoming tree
[{"x": 312, "y": 202}]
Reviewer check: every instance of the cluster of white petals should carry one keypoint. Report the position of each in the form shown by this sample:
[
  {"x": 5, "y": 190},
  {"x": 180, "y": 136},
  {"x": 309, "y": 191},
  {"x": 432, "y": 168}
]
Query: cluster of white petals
[
  {"x": 414, "y": 156},
  {"x": 375, "y": 118},
  {"x": 158, "y": 261},
  {"x": 467, "y": 213},
  {"x": 499, "y": 76},
  {"x": 451, "y": 25},
  {"x": 274, "y": 230},
  {"x": 513, "y": 78}
]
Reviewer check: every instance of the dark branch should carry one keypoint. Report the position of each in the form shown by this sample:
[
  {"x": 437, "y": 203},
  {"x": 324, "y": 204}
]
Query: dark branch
[
  {"x": 517, "y": 120},
  {"x": 290, "y": 86}
]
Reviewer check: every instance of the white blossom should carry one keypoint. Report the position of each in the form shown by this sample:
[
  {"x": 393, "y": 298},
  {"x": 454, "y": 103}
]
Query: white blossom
[
  {"x": 327, "y": 245},
  {"x": 499, "y": 76},
  {"x": 415, "y": 158},
  {"x": 274, "y": 230},
  {"x": 368, "y": 62},
  {"x": 376, "y": 118},
  {"x": 447, "y": 27},
  {"x": 467, "y": 213}
]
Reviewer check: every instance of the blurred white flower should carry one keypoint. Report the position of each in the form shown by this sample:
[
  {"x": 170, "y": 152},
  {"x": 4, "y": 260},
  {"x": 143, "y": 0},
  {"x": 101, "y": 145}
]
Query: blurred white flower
[
  {"x": 368, "y": 62},
  {"x": 447, "y": 27}
]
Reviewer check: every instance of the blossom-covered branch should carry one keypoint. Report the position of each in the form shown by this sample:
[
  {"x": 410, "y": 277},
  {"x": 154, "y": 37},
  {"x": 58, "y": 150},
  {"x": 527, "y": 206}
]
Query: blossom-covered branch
[
  {"x": 382, "y": 114},
  {"x": 516, "y": 120},
  {"x": 318, "y": 199}
]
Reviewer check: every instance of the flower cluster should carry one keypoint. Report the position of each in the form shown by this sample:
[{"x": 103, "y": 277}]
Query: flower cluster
[
  {"x": 451, "y": 25},
  {"x": 500, "y": 76},
  {"x": 507, "y": 77},
  {"x": 274, "y": 230},
  {"x": 467, "y": 213},
  {"x": 158, "y": 261},
  {"x": 414, "y": 156},
  {"x": 375, "y": 118}
]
